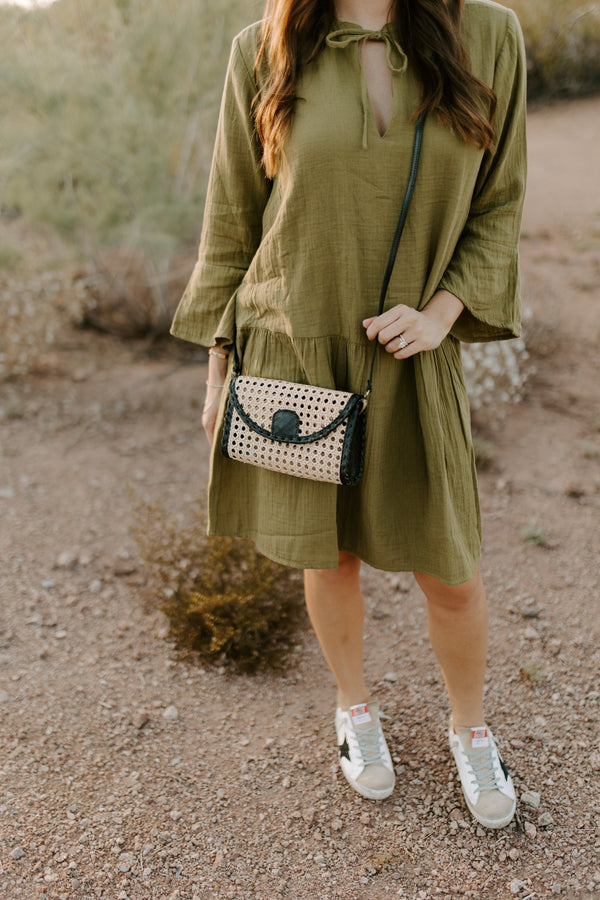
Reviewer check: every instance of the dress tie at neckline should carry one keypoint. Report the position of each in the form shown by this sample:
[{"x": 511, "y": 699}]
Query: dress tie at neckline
[{"x": 349, "y": 33}]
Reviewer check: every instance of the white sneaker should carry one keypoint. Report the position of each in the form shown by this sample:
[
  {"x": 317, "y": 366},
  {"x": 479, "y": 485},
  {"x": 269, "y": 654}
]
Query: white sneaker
[
  {"x": 364, "y": 755},
  {"x": 486, "y": 784}
]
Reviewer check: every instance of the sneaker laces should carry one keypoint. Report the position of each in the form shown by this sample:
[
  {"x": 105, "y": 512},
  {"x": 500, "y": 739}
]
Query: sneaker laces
[
  {"x": 481, "y": 760},
  {"x": 368, "y": 743}
]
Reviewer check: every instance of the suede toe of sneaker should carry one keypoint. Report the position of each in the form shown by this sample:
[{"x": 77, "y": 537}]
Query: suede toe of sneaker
[
  {"x": 494, "y": 809},
  {"x": 377, "y": 777}
]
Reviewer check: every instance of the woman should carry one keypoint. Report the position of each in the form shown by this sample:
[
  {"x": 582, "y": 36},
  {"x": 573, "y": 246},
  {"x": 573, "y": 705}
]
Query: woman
[{"x": 310, "y": 166}]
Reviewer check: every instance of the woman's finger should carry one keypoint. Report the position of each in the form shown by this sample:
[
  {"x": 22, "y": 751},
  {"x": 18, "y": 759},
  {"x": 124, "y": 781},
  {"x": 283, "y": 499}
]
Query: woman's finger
[{"x": 375, "y": 324}]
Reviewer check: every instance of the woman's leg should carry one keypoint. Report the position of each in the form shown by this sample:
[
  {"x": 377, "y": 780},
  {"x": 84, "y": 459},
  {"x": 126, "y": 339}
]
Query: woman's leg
[
  {"x": 336, "y": 610},
  {"x": 458, "y": 631}
]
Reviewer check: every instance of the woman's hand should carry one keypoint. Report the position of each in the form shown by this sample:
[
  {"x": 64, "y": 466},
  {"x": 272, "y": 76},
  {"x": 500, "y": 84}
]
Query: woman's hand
[
  {"x": 405, "y": 331},
  {"x": 217, "y": 371}
]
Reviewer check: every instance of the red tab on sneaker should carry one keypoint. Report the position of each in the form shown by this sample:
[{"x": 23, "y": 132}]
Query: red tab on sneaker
[
  {"x": 479, "y": 737},
  {"x": 360, "y": 714}
]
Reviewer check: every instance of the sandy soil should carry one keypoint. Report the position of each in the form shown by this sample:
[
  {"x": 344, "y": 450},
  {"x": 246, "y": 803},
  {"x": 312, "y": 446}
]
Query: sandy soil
[{"x": 125, "y": 773}]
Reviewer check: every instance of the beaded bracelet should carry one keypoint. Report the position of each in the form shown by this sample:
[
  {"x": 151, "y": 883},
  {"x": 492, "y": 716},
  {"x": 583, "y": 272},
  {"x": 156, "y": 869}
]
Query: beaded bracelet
[{"x": 213, "y": 351}]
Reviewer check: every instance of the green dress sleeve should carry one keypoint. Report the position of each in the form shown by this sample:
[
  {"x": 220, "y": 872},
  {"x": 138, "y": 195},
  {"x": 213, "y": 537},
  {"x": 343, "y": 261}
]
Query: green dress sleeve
[
  {"x": 237, "y": 194},
  {"x": 484, "y": 269}
]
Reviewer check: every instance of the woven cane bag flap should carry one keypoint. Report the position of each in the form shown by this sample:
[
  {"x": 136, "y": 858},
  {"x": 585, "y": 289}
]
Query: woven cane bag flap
[{"x": 296, "y": 429}]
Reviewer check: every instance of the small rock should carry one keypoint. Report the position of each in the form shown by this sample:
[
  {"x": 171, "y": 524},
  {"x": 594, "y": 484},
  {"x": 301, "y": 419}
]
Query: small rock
[
  {"x": 556, "y": 888},
  {"x": 391, "y": 677},
  {"x": 175, "y": 815},
  {"x": 4, "y": 697},
  {"x": 47, "y": 584},
  {"x": 66, "y": 560},
  {"x": 140, "y": 719},
  {"x": 337, "y": 825},
  {"x": 531, "y": 798},
  {"x": 6, "y": 493},
  {"x": 221, "y": 795},
  {"x": 545, "y": 819},
  {"x": 530, "y": 610},
  {"x": 530, "y": 829},
  {"x": 171, "y": 714},
  {"x": 516, "y": 886},
  {"x": 514, "y": 854},
  {"x": 125, "y": 567},
  {"x": 286, "y": 782},
  {"x": 218, "y": 861},
  {"x": 592, "y": 695},
  {"x": 308, "y": 814},
  {"x": 594, "y": 759},
  {"x": 319, "y": 859},
  {"x": 95, "y": 586},
  {"x": 531, "y": 634},
  {"x": 126, "y": 861},
  {"x": 18, "y": 853},
  {"x": 480, "y": 832}
]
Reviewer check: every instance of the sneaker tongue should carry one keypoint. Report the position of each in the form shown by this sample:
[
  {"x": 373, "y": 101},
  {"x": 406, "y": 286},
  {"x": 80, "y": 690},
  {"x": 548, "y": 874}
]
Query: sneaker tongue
[
  {"x": 474, "y": 738},
  {"x": 363, "y": 714}
]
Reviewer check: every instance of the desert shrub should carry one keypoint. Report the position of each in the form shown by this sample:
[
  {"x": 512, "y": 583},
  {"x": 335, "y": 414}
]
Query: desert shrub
[
  {"x": 495, "y": 373},
  {"x": 484, "y": 452},
  {"x": 34, "y": 298},
  {"x": 223, "y": 599},
  {"x": 562, "y": 38},
  {"x": 534, "y": 534}
]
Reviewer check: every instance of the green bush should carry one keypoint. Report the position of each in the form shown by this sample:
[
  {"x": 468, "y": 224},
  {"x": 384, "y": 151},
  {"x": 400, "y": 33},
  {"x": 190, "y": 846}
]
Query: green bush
[
  {"x": 562, "y": 38},
  {"x": 224, "y": 600}
]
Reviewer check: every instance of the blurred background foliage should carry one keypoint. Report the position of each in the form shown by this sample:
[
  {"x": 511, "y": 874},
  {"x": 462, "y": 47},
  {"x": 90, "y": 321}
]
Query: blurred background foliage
[{"x": 108, "y": 110}]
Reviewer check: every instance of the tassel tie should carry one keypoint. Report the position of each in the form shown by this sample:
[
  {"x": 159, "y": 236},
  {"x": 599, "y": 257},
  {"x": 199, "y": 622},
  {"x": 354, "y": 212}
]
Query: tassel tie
[{"x": 396, "y": 57}]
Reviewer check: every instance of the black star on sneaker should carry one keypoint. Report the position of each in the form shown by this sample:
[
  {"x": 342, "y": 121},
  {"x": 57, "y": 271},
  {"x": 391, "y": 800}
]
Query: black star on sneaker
[{"x": 344, "y": 750}]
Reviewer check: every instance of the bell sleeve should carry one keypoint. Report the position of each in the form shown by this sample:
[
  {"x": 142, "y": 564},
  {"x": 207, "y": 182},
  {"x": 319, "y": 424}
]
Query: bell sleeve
[
  {"x": 237, "y": 194},
  {"x": 484, "y": 269}
]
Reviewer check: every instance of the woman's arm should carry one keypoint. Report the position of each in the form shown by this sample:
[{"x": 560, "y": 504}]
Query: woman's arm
[{"x": 238, "y": 191}]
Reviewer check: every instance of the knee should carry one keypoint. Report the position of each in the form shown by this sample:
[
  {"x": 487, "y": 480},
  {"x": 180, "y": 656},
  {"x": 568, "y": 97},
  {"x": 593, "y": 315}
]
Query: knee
[
  {"x": 457, "y": 598},
  {"x": 348, "y": 569}
]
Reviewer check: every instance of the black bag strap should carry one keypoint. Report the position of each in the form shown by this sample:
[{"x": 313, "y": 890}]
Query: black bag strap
[{"x": 412, "y": 177}]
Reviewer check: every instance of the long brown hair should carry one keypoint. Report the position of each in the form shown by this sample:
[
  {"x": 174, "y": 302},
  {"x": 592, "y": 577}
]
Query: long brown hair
[{"x": 294, "y": 32}]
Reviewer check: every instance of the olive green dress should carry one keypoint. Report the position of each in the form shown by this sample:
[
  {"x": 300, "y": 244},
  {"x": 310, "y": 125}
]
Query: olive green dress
[{"x": 298, "y": 261}]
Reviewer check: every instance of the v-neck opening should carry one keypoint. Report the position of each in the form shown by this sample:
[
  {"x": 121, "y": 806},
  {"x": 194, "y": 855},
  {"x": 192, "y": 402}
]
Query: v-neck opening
[{"x": 368, "y": 100}]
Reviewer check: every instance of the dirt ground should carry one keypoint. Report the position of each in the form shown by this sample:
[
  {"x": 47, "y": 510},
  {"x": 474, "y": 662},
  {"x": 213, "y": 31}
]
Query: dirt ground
[{"x": 129, "y": 775}]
